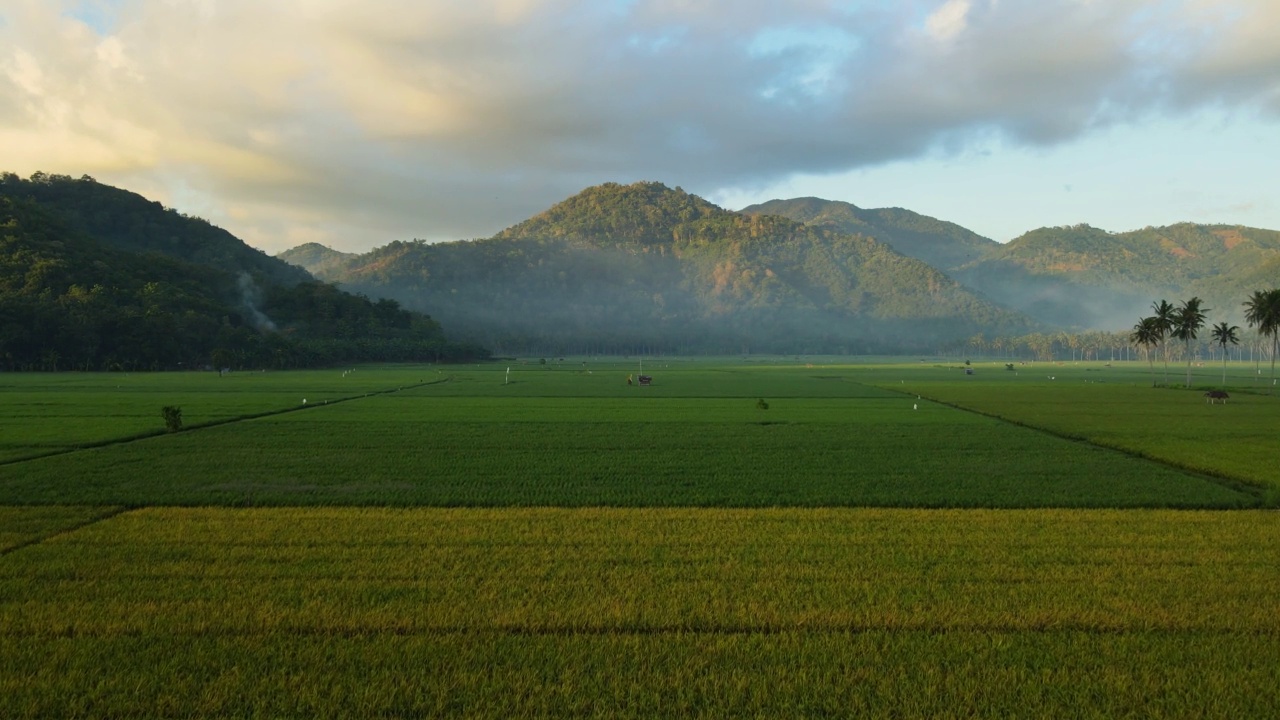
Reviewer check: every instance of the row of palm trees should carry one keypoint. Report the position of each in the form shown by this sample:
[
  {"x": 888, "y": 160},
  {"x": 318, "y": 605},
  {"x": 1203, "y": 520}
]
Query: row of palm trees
[{"x": 1184, "y": 321}]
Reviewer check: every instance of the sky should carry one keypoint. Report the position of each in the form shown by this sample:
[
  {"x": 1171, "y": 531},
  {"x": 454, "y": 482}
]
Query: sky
[{"x": 355, "y": 123}]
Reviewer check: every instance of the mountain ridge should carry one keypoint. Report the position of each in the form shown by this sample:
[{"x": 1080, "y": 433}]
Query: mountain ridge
[
  {"x": 1078, "y": 276},
  {"x": 670, "y": 267}
]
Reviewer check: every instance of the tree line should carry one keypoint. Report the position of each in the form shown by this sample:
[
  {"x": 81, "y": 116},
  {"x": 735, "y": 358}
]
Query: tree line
[{"x": 1183, "y": 323}]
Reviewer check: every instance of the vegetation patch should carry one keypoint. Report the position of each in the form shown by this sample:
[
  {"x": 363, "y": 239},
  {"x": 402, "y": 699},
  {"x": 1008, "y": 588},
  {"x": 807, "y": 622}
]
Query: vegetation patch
[
  {"x": 1175, "y": 426},
  {"x": 575, "y": 439},
  {"x": 607, "y": 612}
]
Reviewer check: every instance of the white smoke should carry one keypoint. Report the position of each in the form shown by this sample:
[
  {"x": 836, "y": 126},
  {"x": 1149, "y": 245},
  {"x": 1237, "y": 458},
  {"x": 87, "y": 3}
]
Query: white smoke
[{"x": 250, "y": 298}]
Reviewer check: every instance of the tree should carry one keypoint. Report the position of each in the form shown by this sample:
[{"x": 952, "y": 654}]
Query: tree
[
  {"x": 172, "y": 417},
  {"x": 1222, "y": 335},
  {"x": 1188, "y": 318},
  {"x": 1262, "y": 310},
  {"x": 1164, "y": 310},
  {"x": 1146, "y": 334}
]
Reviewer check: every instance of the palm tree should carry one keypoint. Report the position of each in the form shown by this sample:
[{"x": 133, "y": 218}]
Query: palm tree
[
  {"x": 1164, "y": 324},
  {"x": 1146, "y": 334},
  {"x": 1188, "y": 318},
  {"x": 1262, "y": 310},
  {"x": 1223, "y": 334}
]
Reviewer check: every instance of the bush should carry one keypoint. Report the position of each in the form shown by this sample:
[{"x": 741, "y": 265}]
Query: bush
[
  {"x": 762, "y": 404},
  {"x": 172, "y": 417}
]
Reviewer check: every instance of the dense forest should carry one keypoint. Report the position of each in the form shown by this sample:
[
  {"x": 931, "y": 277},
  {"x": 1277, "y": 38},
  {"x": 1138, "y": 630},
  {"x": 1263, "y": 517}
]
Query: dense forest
[
  {"x": 1075, "y": 276},
  {"x": 647, "y": 268},
  {"x": 941, "y": 244},
  {"x": 97, "y": 278}
]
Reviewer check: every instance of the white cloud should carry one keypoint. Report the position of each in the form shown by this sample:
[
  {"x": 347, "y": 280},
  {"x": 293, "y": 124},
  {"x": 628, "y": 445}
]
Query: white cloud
[
  {"x": 365, "y": 122},
  {"x": 949, "y": 20}
]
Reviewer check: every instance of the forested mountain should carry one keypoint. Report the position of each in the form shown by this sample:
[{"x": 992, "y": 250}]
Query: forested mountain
[
  {"x": 1073, "y": 277},
  {"x": 644, "y": 267},
  {"x": 1220, "y": 263},
  {"x": 944, "y": 245},
  {"x": 130, "y": 222},
  {"x": 315, "y": 255},
  {"x": 69, "y": 300}
]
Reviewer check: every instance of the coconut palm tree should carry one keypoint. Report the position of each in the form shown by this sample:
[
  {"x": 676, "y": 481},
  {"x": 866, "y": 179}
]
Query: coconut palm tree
[
  {"x": 1163, "y": 310},
  {"x": 1146, "y": 334},
  {"x": 1188, "y": 318},
  {"x": 1223, "y": 334},
  {"x": 1262, "y": 310}
]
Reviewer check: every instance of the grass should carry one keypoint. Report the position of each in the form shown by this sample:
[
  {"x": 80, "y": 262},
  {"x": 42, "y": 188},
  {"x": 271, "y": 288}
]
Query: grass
[
  {"x": 573, "y": 439},
  {"x": 1118, "y": 408},
  {"x": 607, "y": 612},
  {"x": 49, "y": 413},
  {"x": 615, "y": 551},
  {"x": 21, "y": 526}
]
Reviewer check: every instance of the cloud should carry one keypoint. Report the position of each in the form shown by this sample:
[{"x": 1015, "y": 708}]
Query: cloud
[
  {"x": 356, "y": 123},
  {"x": 949, "y": 20}
]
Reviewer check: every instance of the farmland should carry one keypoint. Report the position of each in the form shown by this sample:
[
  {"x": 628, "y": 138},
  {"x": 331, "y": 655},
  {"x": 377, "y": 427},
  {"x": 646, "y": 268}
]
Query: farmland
[
  {"x": 459, "y": 541},
  {"x": 566, "y": 437}
]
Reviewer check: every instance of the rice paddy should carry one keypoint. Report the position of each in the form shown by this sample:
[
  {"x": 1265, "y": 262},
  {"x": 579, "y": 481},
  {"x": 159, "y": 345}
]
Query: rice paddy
[{"x": 463, "y": 542}]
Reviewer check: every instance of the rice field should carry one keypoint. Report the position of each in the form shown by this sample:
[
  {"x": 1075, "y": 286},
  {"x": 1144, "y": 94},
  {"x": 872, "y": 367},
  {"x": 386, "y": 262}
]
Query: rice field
[
  {"x": 637, "y": 612},
  {"x": 1118, "y": 408},
  {"x": 464, "y": 542},
  {"x": 47, "y": 413},
  {"x": 699, "y": 437}
]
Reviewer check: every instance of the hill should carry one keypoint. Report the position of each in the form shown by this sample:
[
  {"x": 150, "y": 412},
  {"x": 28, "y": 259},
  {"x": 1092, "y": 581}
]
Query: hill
[
  {"x": 314, "y": 255},
  {"x": 1102, "y": 276},
  {"x": 127, "y": 221},
  {"x": 1074, "y": 277},
  {"x": 944, "y": 245},
  {"x": 644, "y": 267},
  {"x": 70, "y": 300}
]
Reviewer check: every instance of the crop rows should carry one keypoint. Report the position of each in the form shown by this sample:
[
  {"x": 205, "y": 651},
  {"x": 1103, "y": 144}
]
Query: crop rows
[
  {"x": 49, "y": 413},
  {"x": 525, "y": 612},
  {"x": 417, "y": 449},
  {"x": 20, "y": 526},
  {"x": 1177, "y": 426}
]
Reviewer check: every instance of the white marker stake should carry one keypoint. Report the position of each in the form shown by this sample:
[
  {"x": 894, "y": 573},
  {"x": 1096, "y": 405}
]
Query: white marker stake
[{"x": 508, "y": 378}]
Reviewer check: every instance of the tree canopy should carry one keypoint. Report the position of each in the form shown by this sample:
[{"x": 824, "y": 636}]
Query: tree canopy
[{"x": 69, "y": 300}]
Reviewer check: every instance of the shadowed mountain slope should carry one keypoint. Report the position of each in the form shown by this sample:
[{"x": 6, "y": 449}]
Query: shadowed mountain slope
[
  {"x": 645, "y": 267},
  {"x": 1077, "y": 276},
  {"x": 193, "y": 298}
]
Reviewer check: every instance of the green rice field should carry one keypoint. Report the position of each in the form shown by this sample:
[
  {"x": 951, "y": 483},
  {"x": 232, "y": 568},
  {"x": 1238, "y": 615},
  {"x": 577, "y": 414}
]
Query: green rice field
[{"x": 884, "y": 540}]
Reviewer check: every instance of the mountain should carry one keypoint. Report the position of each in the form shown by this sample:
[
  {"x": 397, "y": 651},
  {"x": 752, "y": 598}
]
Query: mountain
[
  {"x": 641, "y": 267},
  {"x": 941, "y": 244},
  {"x": 1074, "y": 277},
  {"x": 130, "y": 222},
  {"x": 1102, "y": 276},
  {"x": 315, "y": 257},
  {"x": 177, "y": 294}
]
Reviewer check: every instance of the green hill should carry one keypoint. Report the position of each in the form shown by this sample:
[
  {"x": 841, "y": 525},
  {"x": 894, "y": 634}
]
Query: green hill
[
  {"x": 1098, "y": 274},
  {"x": 314, "y": 257},
  {"x": 944, "y": 245},
  {"x": 644, "y": 267},
  {"x": 1075, "y": 277},
  {"x": 130, "y": 222},
  {"x": 70, "y": 300}
]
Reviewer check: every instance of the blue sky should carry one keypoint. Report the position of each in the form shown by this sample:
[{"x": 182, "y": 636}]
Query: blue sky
[
  {"x": 1209, "y": 167},
  {"x": 358, "y": 123}
]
